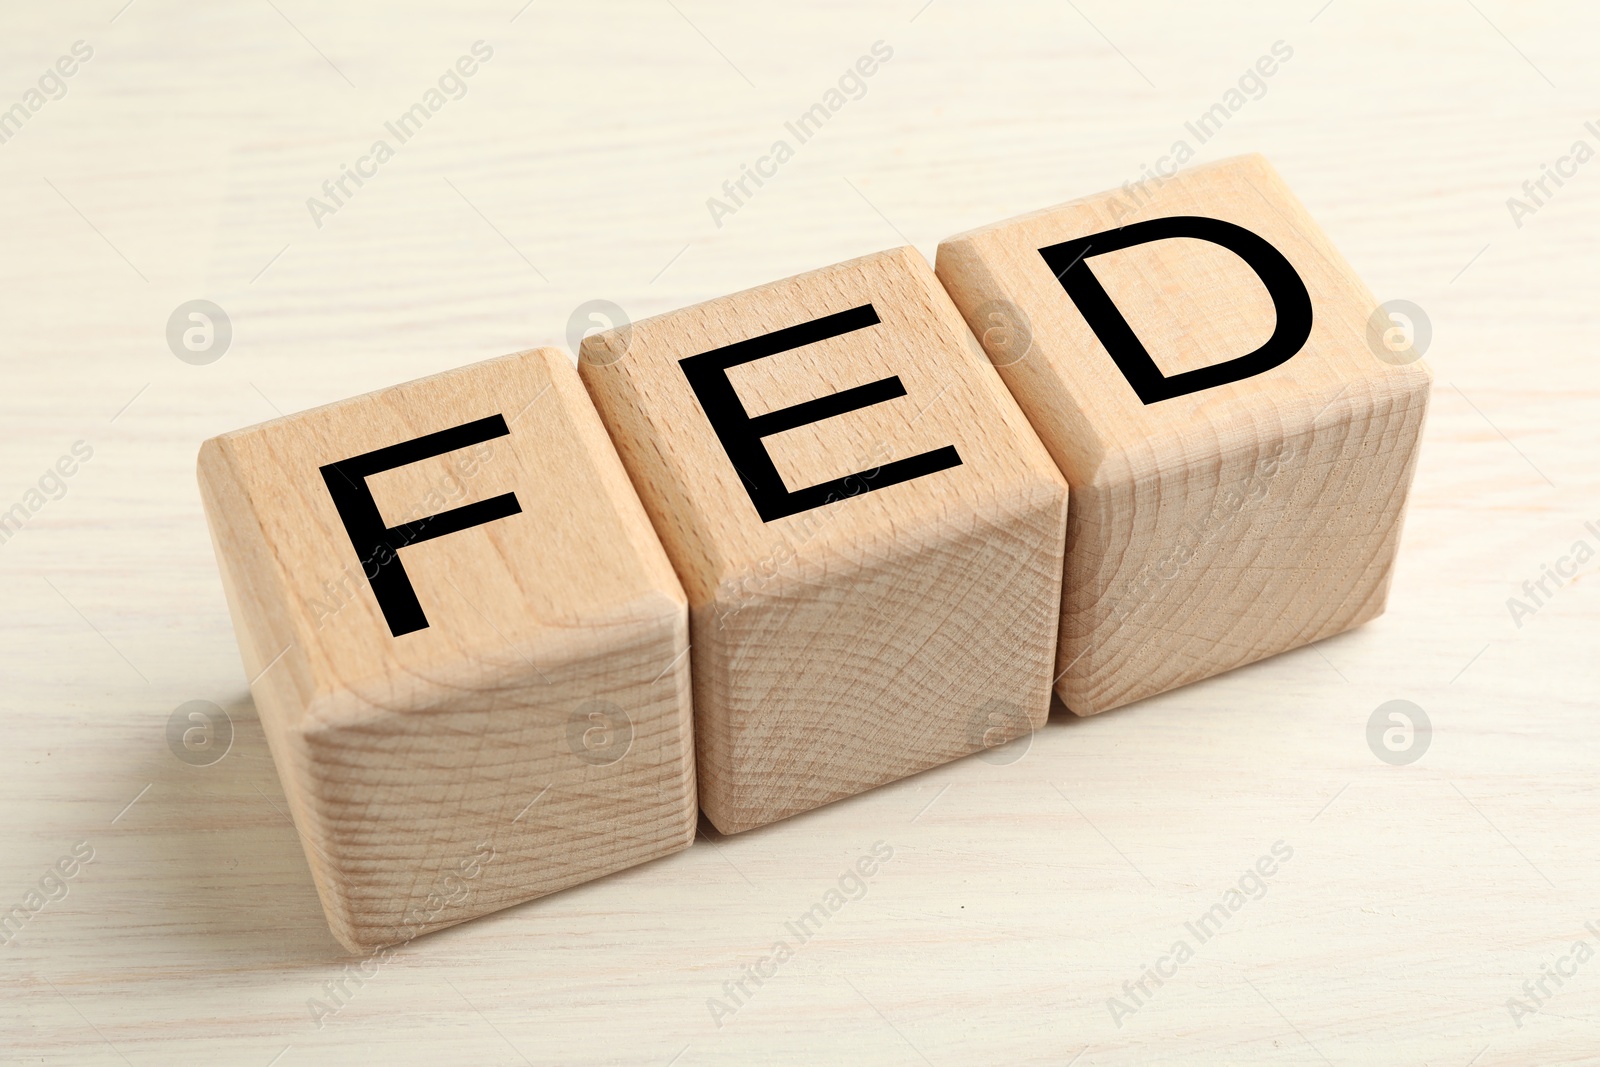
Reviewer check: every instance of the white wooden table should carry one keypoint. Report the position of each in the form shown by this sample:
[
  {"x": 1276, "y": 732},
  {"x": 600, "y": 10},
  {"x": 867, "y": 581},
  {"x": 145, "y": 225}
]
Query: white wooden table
[{"x": 1021, "y": 895}]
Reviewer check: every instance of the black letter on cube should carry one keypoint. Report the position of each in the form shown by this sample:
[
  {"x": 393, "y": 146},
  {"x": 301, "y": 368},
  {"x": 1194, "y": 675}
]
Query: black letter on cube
[
  {"x": 378, "y": 545},
  {"x": 1288, "y": 292},
  {"x": 741, "y": 435}
]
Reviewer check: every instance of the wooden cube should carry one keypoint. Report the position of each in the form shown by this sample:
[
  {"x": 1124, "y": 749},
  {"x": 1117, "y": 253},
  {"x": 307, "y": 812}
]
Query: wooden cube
[
  {"x": 869, "y": 532},
  {"x": 466, "y": 645},
  {"x": 1195, "y": 356}
]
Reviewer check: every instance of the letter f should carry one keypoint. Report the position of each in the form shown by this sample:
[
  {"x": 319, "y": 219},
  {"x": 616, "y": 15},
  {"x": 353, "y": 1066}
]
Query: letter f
[{"x": 378, "y": 545}]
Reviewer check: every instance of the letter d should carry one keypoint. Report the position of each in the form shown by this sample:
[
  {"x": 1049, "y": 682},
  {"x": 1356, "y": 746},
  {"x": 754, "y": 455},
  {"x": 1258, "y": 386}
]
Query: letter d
[{"x": 1069, "y": 262}]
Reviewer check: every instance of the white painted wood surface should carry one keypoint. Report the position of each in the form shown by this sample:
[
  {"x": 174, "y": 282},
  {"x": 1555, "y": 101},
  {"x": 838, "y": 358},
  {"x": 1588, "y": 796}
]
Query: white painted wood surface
[{"x": 1020, "y": 895}]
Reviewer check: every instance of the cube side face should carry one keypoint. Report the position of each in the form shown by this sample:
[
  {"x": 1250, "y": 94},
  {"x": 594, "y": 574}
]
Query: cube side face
[
  {"x": 1237, "y": 517},
  {"x": 536, "y": 783},
  {"x": 849, "y": 411},
  {"x": 917, "y": 651},
  {"x": 549, "y": 618},
  {"x": 1179, "y": 574}
]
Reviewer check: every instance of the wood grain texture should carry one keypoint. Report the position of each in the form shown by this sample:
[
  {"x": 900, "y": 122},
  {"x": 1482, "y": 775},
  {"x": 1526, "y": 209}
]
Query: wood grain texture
[
  {"x": 535, "y": 733},
  {"x": 901, "y": 625},
  {"x": 1212, "y": 529},
  {"x": 1027, "y": 884}
]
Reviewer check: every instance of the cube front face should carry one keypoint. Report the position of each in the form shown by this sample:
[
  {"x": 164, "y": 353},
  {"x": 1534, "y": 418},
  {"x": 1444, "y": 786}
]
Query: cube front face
[
  {"x": 920, "y": 652},
  {"x": 467, "y": 647},
  {"x": 1195, "y": 356},
  {"x": 869, "y": 532}
]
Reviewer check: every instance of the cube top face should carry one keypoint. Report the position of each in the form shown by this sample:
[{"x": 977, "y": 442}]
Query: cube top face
[
  {"x": 521, "y": 721},
  {"x": 1217, "y": 263},
  {"x": 552, "y": 574},
  {"x": 947, "y": 427},
  {"x": 869, "y": 532}
]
